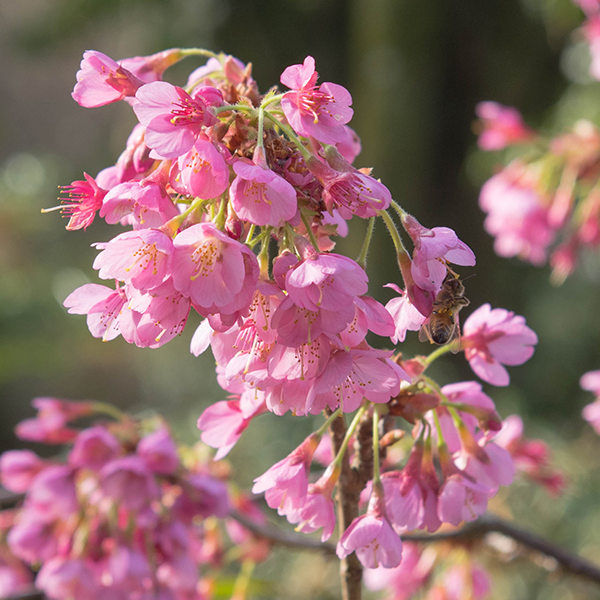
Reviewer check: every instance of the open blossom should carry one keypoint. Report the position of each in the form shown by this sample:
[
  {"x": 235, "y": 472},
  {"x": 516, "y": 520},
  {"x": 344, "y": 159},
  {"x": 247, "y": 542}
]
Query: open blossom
[
  {"x": 129, "y": 481},
  {"x": 101, "y": 81},
  {"x": 159, "y": 452},
  {"x": 260, "y": 196},
  {"x": 18, "y": 469},
  {"x": 591, "y": 382},
  {"x": 433, "y": 249},
  {"x": 219, "y": 274},
  {"x": 81, "y": 200},
  {"x": 517, "y": 217},
  {"x": 406, "y": 316},
  {"x": 372, "y": 538},
  {"x": 173, "y": 119},
  {"x": 93, "y": 448},
  {"x": 315, "y": 110},
  {"x": 502, "y": 126},
  {"x": 496, "y": 337}
]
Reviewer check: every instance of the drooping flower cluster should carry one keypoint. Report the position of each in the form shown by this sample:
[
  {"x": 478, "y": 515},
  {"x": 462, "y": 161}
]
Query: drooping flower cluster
[
  {"x": 124, "y": 517},
  {"x": 231, "y": 201},
  {"x": 546, "y": 203}
]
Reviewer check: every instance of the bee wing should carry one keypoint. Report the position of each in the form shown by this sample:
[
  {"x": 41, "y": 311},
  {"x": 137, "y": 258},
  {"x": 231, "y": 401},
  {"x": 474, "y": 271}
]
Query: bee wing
[
  {"x": 454, "y": 341},
  {"x": 424, "y": 333}
]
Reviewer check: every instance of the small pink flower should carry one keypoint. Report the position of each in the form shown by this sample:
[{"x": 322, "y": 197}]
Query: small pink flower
[
  {"x": 286, "y": 483},
  {"x": 18, "y": 469},
  {"x": 502, "y": 126},
  {"x": 372, "y": 538},
  {"x": 591, "y": 382},
  {"x": 159, "y": 452},
  {"x": 406, "y": 316},
  {"x": 140, "y": 258},
  {"x": 63, "y": 579},
  {"x": 33, "y": 538},
  {"x": 349, "y": 190},
  {"x": 317, "y": 111},
  {"x": 128, "y": 481},
  {"x": 52, "y": 492},
  {"x": 151, "y": 68},
  {"x": 81, "y": 200},
  {"x": 433, "y": 249},
  {"x": 216, "y": 272},
  {"x": 101, "y": 81},
  {"x": 202, "y": 496},
  {"x": 517, "y": 217},
  {"x": 93, "y": 448},
  {"x": 260, "y": 196},
  {"x": 173, "y": 119},
  {"x": 461, "y": 500},
  {"x": 496, "y": 337}
]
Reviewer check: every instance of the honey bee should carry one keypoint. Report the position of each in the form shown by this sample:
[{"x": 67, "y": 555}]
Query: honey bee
[{"x": 441, "y": 327}]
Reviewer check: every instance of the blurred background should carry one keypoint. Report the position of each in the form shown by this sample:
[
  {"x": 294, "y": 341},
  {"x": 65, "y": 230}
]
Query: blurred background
[{"x": 416, "y": 71}]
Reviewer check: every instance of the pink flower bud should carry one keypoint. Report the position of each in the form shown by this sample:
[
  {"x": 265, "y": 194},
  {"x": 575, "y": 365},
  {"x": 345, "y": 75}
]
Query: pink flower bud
[{"x": 18, "y": 469}]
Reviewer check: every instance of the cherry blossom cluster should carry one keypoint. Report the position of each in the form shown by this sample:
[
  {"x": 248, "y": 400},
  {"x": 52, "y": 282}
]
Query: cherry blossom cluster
[
  {"x": 126, "y": 516},
  {"x": 231, "y": 200},
  {"x": 545, "y": 203}
]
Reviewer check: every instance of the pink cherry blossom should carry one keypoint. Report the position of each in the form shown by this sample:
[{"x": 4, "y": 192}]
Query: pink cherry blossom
[
  {"x": 369, "y": 315},
  {"x": 590, "y": 381},
  {"x": 101, "y": 81},
  {"x": 260, "y": 196},
  {"x": 286, "y": 483},
  {"x": 591, "y": 413},
  {"x": 81, "y": 200},
  {"x": 502, "y": 126},
  {"x": 63, "y": 579},
  {"x": 141, "y": 258},
  {"x": 406, "y": 317},
  {"x": 135, "y": 159},
  {"x": 52, "y": 492},
  {"x": 349, "y": 190},
  {"x": 202, "y": 495},
  {"x": 128, "y": 481},
  {"x": 461, "y": 500},
  {"x": 173, "y": 119},
  {"x": 216, "y": 272},
  {"x": 151, "y": 68},
  {"x": 433, "y": 249},
  {"x": 93, "y": 448},
  {"x": 33, "y": 537},
  {"x": 372, "y": 538},
  {"x": 517, "y": 217},
  {"x": 18, "y": 469},
  {"x": 465, "y": 580},
  {"x": 201, "y": 172},
  {"x": 159, "y": 452},
  {"x": 496, "y": 337},
  {"x": 317, "y": 111}
]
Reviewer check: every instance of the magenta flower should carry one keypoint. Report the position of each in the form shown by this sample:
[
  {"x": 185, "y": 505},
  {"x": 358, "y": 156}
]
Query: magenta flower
[
  {"x": 52, "y": 493},
  {"x": 496, "y": 337},
  {"x": 81, "y": 200},
  {"x": 128, "y": 481},
  {"x": 201, "y": 172},
  {"x": 173, "y": 119},
  {"x": 372, "y": 538},
  {"x": 202, "y": 496},
  {"x": 349, "y": 190},
  {"x": 433, "y": 249},
  {"x": 33, "y": 538},
  {"x": 216, "y": 272},
  {"x": 517, "y": 217},
  {"x": 140, "y": 258},
  {"x": 260, "y": 196},
  {"x": 18, "y": 469},
  {"x": 93, "y": 448},
  {"x": 317, "y": 111},
  {"x": 63, "y": 579},
  {"x": 101, "y": 81},
  {"x": 286, "y": 483},
  {"x": 159, "y": 452},
  {"x": 502, "y": 126}
]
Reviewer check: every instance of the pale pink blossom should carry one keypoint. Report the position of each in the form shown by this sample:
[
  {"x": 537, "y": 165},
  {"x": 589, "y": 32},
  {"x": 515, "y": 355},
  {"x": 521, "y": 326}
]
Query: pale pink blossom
[
  {"x": 15, "y": 579},
  {"x": 372, "y": 538},
  {"x": 101, "y": 81},
  {"x": 590, "y": 382},
  {"x": 202, "y": 171},
  {"x": 216, "y": 272},
  {"x": 349, "y": 147},
  {"x": 286, "y": 483},
  {"x": 502, "y": 126},
  {"x": 591, "y": 413},
  {"x": 517, "y": 217},
  {"x": 260, "y": 196},
  {"x": 81, "y": 200},
  {"x": 496, "y": 337},
  {"x": 33, "y": 537},
  {"x": 406, "y": 317},
  {"x": 465, "y": 580},
  {"x": 369, "y": 315},
  {"x": 129, "y": 570},
  {"x": 151, "y": 68},
  {"x": 173, "y": 119},
  {"x": 433, "y": 249},
  {"x": 64, "y": 579},
  {"x": 140, "y": 258},
  {"x": 461, "y": 499},
  {"x": 134, "y": 160},
  {"x": 18, "y": 469},
  {"x": 52, "y": 493},
  {"x": 202, "y": 495},
  {"x": 315, "y": 110},
  {"x": 159, "y": 452},
  {"x": 128, "y": 481}
]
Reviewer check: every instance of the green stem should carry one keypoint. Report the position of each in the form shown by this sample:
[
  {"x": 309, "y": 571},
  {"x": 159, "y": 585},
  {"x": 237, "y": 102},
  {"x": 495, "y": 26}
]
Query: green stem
[
  {"x": 401, "y": 212},
  {"x": 328, "y": 422},
  {"x": 242, "y": 582},
  {"x": 311, "y": 235},
  {"x": 110, "y": 410},
  {"x": 263, "y": 255},
  {"x": 290, "y": 133},
  {"x": 271, "y": 99},
  {"x": 229, "y": 107},
  {"x": 198, "y": 52},
  {"x": 435, "y": 386},
  {"x": 362, "y": 258},
  {"x": 251, "y": 231},
  {"x": 436, "y": 354},
  {"x": 261, "y": 128},
  {"x": 221, "y": 215},
  {"x": 389, "y": 222},
  {"x": 342, "y": 451}
]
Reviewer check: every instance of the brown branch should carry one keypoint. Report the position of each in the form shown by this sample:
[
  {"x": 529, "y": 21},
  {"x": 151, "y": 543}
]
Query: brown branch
[{"x": 31, "y": 595}]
